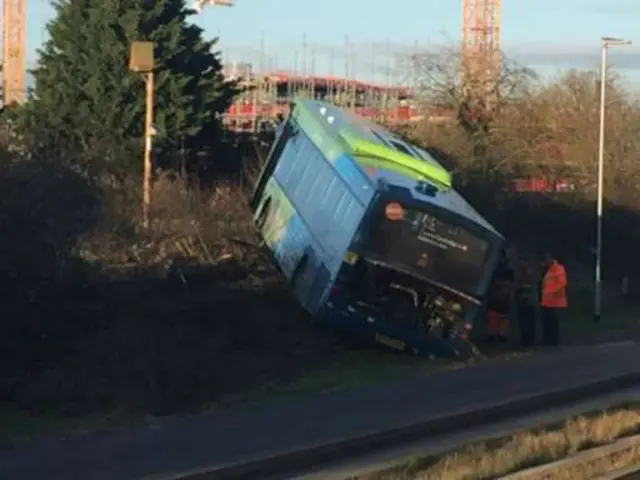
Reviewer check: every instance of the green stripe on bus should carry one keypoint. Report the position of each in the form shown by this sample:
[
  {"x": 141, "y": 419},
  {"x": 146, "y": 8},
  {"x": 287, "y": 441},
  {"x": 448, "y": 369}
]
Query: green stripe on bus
[
  {"x": 389, "y": 159},
  {"x": 376, "y": 163},
  {"x": 327, "y": 142}
]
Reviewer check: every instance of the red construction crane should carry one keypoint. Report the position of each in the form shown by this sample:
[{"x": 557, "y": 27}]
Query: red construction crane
[
  {"x": 480, "y": 48},
  {"x": 14, "y": 46},
  {"x": 13, "y": 62}
]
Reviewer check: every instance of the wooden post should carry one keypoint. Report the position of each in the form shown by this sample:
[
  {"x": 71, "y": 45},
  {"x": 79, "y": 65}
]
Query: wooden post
[
  {"x": 148, "y": 149},
  {"x": 142, "y": 61}
]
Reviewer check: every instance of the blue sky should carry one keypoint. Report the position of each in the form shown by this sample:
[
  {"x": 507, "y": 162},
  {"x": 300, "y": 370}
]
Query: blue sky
[{"x": 549, "y": 35}]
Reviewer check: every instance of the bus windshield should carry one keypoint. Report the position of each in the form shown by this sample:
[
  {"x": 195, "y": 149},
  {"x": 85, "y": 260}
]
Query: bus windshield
[{"x": 430, "y": 244}]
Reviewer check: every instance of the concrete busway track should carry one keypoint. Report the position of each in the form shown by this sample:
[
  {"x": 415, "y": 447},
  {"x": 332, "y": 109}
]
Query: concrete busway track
[{"x": 285, "y": 438}]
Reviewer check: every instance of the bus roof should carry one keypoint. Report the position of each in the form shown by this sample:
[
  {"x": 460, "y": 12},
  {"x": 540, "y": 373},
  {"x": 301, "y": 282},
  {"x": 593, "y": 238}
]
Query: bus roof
[
  {"x": 336, "y": 131},
  {"x": 381, "y": 155}
]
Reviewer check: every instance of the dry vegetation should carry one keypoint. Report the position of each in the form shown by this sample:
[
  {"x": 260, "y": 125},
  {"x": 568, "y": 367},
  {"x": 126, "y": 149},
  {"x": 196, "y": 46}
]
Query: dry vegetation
[
  {"x": 113, "y": 318},
  {"x": 522, "y": 450}
]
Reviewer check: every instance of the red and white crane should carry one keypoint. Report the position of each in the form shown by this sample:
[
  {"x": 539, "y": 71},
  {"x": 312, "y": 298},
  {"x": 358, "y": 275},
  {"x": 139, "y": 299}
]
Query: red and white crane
[{"x": 480, "y": 46}]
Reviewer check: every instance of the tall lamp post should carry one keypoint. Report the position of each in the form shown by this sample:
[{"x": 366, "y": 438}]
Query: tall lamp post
[{"x": 606, "y": 42}]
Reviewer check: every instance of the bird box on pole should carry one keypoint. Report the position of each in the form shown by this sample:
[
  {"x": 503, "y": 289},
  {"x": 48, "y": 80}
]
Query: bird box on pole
[{"x": 141, "y": 59}]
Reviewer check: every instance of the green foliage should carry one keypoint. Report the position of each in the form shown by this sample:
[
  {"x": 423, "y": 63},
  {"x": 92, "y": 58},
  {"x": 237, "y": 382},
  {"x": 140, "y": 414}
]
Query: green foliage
[{"x": 85, "y": 97}]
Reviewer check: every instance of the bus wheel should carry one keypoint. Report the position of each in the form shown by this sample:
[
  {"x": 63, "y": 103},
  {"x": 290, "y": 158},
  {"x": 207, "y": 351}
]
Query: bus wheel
[{"x": 264, "y": 214}]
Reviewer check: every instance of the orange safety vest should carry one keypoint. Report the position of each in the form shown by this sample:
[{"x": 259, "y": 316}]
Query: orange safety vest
[{"x": 554, "y": 286}]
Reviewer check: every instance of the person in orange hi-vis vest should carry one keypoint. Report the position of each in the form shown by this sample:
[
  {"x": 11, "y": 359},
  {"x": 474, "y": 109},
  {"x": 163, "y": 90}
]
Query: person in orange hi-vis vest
[{"x": 553, "y": 298}]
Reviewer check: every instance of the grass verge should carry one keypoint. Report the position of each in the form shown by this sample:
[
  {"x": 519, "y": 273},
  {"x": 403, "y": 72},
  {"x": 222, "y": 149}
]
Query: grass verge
[
  {"x": 322, "y": 364},
  {"x": 525, "y": 449}
]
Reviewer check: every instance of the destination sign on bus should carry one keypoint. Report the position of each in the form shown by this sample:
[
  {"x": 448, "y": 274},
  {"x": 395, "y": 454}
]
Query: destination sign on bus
[
  {"x": 432, "y": 247},
  {"x": 440, "y": 234}
]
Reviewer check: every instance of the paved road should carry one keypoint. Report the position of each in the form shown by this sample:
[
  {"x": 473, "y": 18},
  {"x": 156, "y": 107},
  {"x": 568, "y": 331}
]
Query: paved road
[{"x": 176, "y": 444}]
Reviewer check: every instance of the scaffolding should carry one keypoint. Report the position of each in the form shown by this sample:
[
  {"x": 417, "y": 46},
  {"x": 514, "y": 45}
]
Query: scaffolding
[
  {"x": 266, "y": 97},
  {"x": 268, "y": 91}
]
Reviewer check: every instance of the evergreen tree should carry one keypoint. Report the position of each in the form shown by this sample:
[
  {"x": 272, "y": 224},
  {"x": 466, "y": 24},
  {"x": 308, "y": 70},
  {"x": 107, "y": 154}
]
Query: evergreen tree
[{"x": 84, "y": 92}]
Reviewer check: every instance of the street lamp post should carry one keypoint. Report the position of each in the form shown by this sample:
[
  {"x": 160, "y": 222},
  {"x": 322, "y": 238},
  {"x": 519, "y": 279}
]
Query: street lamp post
[{"x": 606, "y": 42}]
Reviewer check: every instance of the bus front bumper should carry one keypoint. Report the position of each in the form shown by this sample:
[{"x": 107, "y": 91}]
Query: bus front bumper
[{"x": 359, "y": 321}]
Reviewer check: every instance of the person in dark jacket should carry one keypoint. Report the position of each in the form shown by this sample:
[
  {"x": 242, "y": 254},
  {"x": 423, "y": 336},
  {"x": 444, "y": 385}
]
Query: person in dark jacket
[
  {"x": 526, "y": 301},
  {"x": 499, "y": 301}
]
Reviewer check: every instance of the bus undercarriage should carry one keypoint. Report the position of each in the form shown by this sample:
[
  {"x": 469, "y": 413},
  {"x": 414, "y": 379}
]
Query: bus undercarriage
[{"x": 401, "y": 310}]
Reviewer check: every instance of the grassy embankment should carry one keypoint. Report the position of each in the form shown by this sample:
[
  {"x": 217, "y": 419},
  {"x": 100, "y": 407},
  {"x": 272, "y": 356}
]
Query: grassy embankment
[{"x": 529, "y": 448}]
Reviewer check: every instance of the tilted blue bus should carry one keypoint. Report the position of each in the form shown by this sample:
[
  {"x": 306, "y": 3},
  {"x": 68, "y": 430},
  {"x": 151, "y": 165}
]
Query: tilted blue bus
[{"x": 369, "y": 231}]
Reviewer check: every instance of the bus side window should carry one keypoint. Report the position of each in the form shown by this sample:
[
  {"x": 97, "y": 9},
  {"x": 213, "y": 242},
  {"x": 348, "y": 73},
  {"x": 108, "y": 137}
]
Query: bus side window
[
  {"x": 397, "y": 145},
  {"x": 415, "y": 152},
  {"x": 407, "y": 150},
  {"x": 289, "y": 132},
  {"x": 380, "y": 138},
  {"x": 430, "y": 158}
]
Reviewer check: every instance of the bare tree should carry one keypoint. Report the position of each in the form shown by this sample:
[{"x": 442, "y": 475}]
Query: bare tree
[
  {"x": 541, "y": 128},
  {"x": 437, "y": 76},
  {"x": 555, "y": 129}
]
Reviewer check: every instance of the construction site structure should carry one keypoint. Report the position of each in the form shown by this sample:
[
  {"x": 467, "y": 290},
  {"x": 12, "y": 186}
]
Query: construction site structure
[
  {"x": 266, "y": 97},
  {"x": 269, "y": 93},
  {"x": 13, "y": 60},
  {"x": 480, "y": 50}
]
